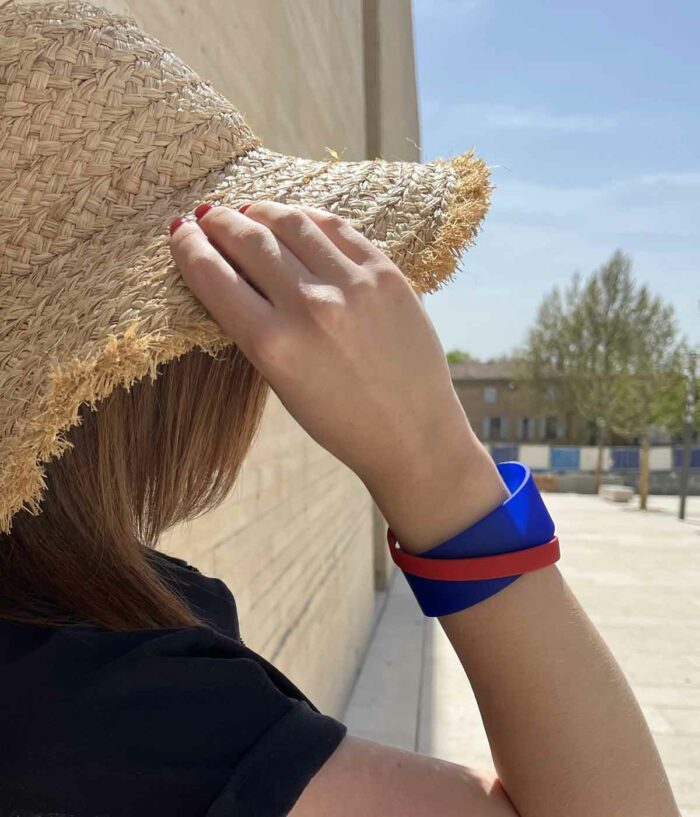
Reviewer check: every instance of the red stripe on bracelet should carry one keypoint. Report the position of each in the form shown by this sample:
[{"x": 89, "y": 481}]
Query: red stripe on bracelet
[{"x": 476, "y": 568}]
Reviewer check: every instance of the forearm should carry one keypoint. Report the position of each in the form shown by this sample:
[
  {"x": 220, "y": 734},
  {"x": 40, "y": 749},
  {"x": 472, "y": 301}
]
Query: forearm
[
  {"x": 565, "y": 730},
  {"x": 566, "y": 733}
]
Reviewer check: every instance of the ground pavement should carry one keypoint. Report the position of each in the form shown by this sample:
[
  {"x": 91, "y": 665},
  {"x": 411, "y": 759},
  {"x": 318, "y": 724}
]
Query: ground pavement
[{"x": 637, "y": 575}]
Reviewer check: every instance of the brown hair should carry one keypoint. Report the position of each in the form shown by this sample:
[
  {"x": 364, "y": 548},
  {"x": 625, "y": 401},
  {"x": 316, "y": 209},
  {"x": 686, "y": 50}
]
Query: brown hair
[{"x": 140, "y": 461}]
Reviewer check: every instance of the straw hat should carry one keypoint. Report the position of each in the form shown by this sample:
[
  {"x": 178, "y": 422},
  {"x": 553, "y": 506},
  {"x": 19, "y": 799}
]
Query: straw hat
[{"x": 105, "y": 136}]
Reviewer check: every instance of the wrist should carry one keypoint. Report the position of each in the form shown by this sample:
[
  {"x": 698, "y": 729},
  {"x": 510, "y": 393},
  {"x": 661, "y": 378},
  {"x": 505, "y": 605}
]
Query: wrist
[{"x": 438, "y": 493}]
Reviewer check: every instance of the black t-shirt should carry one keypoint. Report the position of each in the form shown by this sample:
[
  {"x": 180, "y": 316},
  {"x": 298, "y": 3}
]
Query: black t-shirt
[{"x": 179, "y": 723}]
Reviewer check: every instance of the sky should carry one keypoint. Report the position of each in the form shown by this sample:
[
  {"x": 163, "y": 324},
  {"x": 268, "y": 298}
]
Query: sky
[{"x": 589, "y": 116}]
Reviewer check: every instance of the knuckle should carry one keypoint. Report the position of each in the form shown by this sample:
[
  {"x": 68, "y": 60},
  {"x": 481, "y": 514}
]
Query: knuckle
[
  {"x": 389, "y": 277},
  {"x": 378, "y": 283},
  {"x": 293, "y": 219},
  {"x": 254, "y": 236},
  {"x": 202, "y": 264},
  {"x": 326, "y": 307},
  {"x": 333, "y": 220},
  {"x": 251, "y": 233},
  {"x": 217, "y": 222},
  {"x": 363, "y": 284}
]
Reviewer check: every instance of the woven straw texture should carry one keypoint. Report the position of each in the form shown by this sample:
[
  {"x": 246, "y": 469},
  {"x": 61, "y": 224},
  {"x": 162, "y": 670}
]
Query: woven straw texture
[{"x": 105, "y": 136}]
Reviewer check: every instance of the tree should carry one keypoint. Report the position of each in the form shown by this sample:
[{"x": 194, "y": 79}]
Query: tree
[
  {"x": 672, "y": 399},
  {"x": 640, "y": 390},
  {"x": 457, "y": 356},
  {"x": 601, "y": 341},
  {"x": 541, "y": 367}
]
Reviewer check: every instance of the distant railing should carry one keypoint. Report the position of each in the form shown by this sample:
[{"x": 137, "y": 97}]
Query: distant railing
[
  {"x": 583, "y": 458},
  {"x": 564, "y": 458},
  {"x": 625, "y": 458},
  {"x": 694, "y": 457}
]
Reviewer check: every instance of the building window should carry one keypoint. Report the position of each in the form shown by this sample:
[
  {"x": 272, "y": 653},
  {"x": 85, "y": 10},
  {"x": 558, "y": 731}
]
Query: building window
[
  {"x": 550, "y": 428},
  {"x": 494, "y": 428},
  {"x": 490, "y": 394},
  {"x": 524, "y": 428}
]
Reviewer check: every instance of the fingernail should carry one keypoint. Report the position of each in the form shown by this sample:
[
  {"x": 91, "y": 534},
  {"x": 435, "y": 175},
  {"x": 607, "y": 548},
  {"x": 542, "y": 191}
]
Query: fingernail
[
  {"x": 244, "y": 207},
  {"x": 176, "y": 222},
  {"x": 202, "y": 210}
]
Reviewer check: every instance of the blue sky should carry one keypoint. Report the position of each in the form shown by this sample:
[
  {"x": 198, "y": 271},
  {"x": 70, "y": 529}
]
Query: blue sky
[{"x": 589, "y": 114}]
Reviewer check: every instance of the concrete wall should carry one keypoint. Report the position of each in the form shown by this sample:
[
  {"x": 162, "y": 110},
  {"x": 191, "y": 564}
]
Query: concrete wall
[
  {"x": 392, "y": 105},
  {"x": 589, "y": 458},
  {"x": 536, "y": 456},
  {"x": 660, "y": 459},
  {"x": 294, "y": 69},
  {"x": 299, "y": 541}
]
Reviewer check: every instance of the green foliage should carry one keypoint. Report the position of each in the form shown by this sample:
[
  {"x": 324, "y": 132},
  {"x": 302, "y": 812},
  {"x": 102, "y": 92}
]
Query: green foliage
[
  {"x": 542, "y": 366},
  {"x": 639, "y": 392},
  {"x": 609, "y": 346},
  {"x": 671, "y": 400},
  {"x": 457, "y": 356}
]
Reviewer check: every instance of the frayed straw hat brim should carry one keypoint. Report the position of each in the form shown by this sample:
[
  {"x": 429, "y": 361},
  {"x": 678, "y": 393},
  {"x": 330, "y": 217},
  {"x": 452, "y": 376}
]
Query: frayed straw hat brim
[{"x": 90, "y": 302}]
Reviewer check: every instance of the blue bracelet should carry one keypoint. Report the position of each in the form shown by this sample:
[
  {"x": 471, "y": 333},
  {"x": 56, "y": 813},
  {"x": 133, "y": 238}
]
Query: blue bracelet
[{"x": 521, "y": 523}]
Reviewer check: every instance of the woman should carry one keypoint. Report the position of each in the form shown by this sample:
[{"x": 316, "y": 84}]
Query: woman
[{"x": 126, "y": 687}]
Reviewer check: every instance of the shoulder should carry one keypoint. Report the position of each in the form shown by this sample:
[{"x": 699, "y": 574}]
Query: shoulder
[
  {"x": 184, "y": 721},
  {"x": 209, "y": 597},
  {"x": 167, "y": 558}
]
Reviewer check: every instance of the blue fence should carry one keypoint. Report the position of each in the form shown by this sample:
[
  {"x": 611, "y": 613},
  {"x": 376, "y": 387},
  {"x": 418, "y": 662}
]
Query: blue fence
[
  {"x": 694, "y": 456},
  {"x": 624, "y": 458},
  {"x": 568, "y": 458},
  {"x": 504, "y": 453},
  {"x": 565, "y": 459}
]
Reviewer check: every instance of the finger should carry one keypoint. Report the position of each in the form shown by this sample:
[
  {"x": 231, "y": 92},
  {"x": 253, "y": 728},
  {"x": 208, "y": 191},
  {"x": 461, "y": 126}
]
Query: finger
[
  {"x": 239, "y": 310},
  {"x": 306, "y": 240},
  {"x": 339, "y": 230},
  {"x": 257, "y": 252}
]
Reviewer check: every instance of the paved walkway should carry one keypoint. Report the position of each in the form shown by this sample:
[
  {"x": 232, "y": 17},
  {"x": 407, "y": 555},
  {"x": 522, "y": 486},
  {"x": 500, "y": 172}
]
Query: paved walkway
[{"x": 638, "y": 577}]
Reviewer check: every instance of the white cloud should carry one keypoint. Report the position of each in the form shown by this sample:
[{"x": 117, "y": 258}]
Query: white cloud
[
  {"x": 506, "y": 117},
  {"x": 515, "y": 119},
  {"x": 688, "y": 178},
  {"x": 622, "y": 198}
]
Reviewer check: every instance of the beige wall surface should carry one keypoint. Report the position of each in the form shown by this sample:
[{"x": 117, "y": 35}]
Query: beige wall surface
[
  {"x": 393, "y": 131},
  {"x": 400, "y": 133},
  {"x": 294, "y": 68},
  {"x": 298, "y": 541}
]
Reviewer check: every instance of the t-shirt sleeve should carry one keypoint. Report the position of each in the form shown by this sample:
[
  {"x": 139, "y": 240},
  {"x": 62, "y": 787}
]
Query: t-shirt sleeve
[
  {"x": 270, "y": 777},
  {"x": 187, "y": 723}
]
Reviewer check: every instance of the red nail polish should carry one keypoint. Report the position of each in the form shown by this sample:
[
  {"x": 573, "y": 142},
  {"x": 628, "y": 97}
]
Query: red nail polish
[
  {"x": 176, "y": 222},
  {"x": 202, "y": 210},
  {"x": 244, "y": 207}
]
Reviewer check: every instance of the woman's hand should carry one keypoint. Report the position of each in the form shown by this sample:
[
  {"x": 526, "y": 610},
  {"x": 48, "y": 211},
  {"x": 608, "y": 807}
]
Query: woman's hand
[{"x": 341, "y": 337}]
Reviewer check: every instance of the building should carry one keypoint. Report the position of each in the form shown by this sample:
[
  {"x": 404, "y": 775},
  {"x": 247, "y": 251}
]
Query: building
[
  {"x": 299, "y": 540},
  {"x": 502, "y": 410},
  {"x": 499, "y": 409}
]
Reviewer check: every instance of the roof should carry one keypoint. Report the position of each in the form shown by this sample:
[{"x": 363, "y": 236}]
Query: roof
[{"x": 498, "y": 369}]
